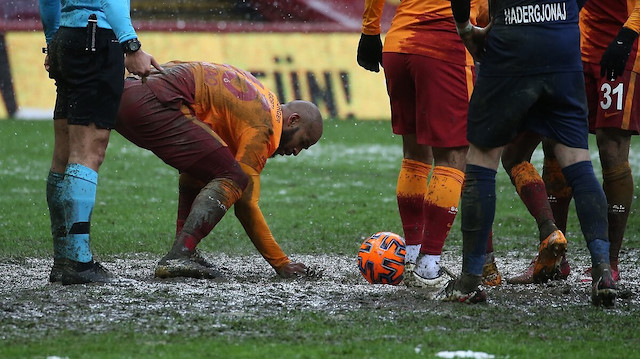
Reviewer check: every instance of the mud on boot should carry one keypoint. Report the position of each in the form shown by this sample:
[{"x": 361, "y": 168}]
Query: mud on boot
[
  {"x": 465, "y": 289},
  {"x": 552, "y": 250},
  {"x": 72, "y": 272},
  {"x": 185, "y": 263},
  {"x": 490, "y": 274},
  {"x": 603, "y": 290},
  {"x": 56, "y": 270}
]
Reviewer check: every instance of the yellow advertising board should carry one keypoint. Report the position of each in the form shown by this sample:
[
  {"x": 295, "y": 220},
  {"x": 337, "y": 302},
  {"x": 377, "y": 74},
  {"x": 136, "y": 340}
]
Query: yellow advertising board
[{"x": 320, "y": 68}]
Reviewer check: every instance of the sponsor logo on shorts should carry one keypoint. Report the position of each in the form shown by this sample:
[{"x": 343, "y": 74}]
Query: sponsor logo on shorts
[
  {"x": 618, "y": 208},
  {"x": 609, "y": 114},
  {"x": 535, "y": 13}
]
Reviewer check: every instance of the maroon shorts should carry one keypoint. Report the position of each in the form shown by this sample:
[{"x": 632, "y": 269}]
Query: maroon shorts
[
  {"x": 179, "y": 140},
  {"x": 429, "y": 98},
  {"x": 612, "y": 104}
]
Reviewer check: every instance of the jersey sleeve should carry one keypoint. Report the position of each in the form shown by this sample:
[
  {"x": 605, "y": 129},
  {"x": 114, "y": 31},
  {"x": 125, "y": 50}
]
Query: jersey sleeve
[
  {"x": 119, "y": 17},
  {"x": 50, "y": 16},
  {"x": 372, "y": 17},
  {"x": 250, "y": 216},
  {"x": 633, "y": 22}
]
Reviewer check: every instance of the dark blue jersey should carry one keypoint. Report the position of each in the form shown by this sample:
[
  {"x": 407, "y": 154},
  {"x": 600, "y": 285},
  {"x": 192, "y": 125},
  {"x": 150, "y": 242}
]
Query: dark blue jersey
[{"x": 532, "y": 37}]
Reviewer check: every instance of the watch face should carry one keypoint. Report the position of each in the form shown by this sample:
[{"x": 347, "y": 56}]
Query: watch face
[
  {"x": 131, "y": 45},
  {"x": 134, "y": 46}
]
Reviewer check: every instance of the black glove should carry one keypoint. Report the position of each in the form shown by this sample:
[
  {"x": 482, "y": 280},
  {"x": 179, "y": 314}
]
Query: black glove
[
  {"x": 370, "y": 52},
  {"x": 615, "y": 57}
]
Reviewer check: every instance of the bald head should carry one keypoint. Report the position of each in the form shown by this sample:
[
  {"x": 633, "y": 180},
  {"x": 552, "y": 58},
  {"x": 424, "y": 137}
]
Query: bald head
[
  {"x": 301, "y": 129},
  {"x": 308, "y": 112}
]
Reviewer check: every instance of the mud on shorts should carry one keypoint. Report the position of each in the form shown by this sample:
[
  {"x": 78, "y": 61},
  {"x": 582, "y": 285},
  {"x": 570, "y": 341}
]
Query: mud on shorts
[
  {"x": 174, "y": 135},
  {"x": 429, "y": 98},
  {"x": 88, "y": 83},
  {"x": 552, "y": 105},
  {"x": 612, "y": 104}
]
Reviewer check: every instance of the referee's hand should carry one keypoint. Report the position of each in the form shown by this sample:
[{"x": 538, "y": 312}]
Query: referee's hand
[
  {"x": 370, "y": 52},
  {"x": 139, "y": 63}
]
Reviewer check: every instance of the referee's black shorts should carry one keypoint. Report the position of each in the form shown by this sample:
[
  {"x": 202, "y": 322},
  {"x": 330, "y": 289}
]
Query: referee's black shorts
[{"x": 89, "y": 83}]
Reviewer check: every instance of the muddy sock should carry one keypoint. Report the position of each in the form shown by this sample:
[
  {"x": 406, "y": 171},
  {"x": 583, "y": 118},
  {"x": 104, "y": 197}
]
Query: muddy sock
[
  {"x": 533, "y": 193},
  {"x": 618, "y": 187},
  {"x": 411, "y": 253},
  {"x": 78, "y": 197},
  {"x": 440, "y": 207},
  {"x": 559, "y": 193},
  {"x": 56, "y": 211},
  {"x": 468, "y": 282},
  {"x": 209, "y": 207},
  {"x": 428, "y": 266},
  {"x": 478, "y": 207},
  {"x": 591, "y": 208},
  {"x": 188, "y": 189}
]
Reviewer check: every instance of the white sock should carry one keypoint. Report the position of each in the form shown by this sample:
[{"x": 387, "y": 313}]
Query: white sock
[
  {"x": 428, "y": 266},
  {"x": 411, "y": 253}
]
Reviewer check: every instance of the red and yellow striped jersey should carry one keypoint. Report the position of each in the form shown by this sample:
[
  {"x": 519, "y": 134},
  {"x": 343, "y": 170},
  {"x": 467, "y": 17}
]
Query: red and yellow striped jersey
[
  {"x": 420, "y": 27},
  {"x": 600, "y": 21}
]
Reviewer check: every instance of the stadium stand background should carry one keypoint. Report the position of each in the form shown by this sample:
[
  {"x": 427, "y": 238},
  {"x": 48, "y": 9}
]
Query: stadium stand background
[{"x": 303, "y": 49}]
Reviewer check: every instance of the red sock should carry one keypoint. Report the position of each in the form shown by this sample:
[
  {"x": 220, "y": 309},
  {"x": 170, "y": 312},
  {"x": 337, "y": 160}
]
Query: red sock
[
  {"x": 533, "y": 193},
  {"x": 441, "y": 207},
  {"x": 410, "y": 191}
]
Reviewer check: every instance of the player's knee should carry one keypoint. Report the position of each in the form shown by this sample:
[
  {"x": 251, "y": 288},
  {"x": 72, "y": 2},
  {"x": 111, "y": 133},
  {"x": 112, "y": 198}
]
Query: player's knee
[{"x": 238, "y": 176}]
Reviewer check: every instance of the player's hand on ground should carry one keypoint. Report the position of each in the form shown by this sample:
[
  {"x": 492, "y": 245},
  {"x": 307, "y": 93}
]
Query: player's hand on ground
[
  {"x": 474, "y": 38},
  {"x": 370, "y": 52},
  {"x": 293, "y": 270},
  {"x": 139, "y": 63},
  {"x": 615, "y": 57}
]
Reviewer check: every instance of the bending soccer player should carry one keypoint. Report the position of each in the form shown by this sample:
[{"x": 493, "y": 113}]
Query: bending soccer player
[
  {"x": 217, "y": 125},
  {"x": 429, "y": 77},
  {"x": 609, "y": 30},
  {"x": 531, "y": 79}
]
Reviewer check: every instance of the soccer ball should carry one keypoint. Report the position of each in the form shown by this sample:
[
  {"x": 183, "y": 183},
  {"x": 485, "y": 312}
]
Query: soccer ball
[{"x": 381, "y": 258}]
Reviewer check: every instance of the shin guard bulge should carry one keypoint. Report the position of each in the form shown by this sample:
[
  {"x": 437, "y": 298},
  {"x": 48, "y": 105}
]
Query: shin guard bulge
[
  {"x": 79, "y": 197},
  {"x": 207, "y": 210},
  {"x": 618, "y": 188},
  {"x": 440, "y": 208}
]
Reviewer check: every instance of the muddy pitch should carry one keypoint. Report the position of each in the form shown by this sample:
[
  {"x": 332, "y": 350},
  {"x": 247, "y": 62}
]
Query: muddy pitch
[{"x": 31, "y": 307}]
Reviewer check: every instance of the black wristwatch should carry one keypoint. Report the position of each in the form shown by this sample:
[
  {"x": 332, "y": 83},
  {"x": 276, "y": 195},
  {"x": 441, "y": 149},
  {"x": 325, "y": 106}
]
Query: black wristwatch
[{"x": 130, "y": 46}]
